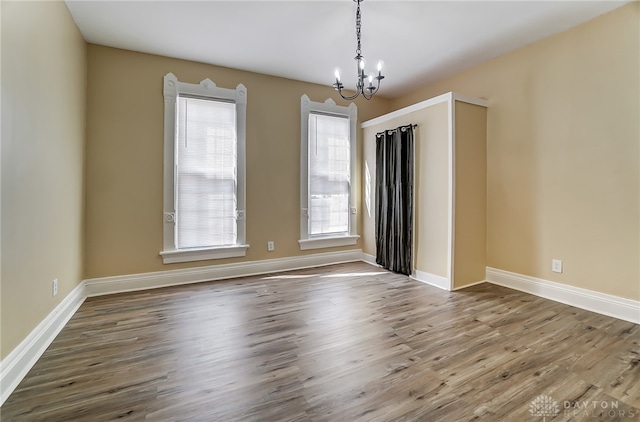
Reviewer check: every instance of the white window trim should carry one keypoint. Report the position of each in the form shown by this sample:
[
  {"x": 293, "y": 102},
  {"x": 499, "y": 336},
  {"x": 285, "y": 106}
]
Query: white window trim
[
  {"x": 329, "y": 107},
  {"x": 206, "y": 89}
]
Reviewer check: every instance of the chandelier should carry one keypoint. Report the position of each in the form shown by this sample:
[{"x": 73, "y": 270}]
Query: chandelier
[{"x": 367, "y": 89}]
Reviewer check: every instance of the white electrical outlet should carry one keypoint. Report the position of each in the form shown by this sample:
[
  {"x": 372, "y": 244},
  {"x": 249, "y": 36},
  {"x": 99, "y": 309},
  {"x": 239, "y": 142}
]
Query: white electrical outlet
[
  {"x": 271, "y": 246},
  {"x": 556, "y": 265},
  {"x": 54, "y": 287}
]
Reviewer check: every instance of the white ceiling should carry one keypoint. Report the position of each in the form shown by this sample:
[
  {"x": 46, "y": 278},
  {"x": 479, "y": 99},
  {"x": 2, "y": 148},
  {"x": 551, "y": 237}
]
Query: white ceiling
[{"x": 419, "y": 41}]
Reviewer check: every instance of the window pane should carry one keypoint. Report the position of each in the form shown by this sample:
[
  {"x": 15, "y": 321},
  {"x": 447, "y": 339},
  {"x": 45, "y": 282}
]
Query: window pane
[
  {"x": 206, "y": 173},
  {"x": 329, "y": 174}
]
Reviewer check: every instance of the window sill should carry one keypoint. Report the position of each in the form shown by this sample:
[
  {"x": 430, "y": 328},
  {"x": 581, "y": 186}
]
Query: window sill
[
  {"x": 203, "y": 254},
  {"x": 327, "y": 242}
]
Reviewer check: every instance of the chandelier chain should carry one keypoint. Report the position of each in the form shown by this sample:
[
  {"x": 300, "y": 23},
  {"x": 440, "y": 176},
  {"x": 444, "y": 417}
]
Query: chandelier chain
[{"x": 358, "y": 26}]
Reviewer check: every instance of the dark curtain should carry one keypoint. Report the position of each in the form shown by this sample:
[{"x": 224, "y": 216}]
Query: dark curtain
[{"x": 394, "y": 199}]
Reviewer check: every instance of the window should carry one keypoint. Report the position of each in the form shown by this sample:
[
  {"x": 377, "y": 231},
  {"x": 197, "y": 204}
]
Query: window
[
  {"x": 328, "y": 175},
  {"x": 206, "y": 157},
  {"x": 328, "y": 212},
  {"x": 204, "y": 171}
]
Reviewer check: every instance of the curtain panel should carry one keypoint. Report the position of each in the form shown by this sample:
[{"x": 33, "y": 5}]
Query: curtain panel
[{"x": 394, "y": 199}]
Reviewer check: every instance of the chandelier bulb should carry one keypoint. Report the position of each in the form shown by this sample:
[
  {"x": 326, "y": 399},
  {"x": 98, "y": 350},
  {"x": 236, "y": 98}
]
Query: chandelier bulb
[
  {"x": 337, "y": 73},
  {"x": 380, "y": 66}
]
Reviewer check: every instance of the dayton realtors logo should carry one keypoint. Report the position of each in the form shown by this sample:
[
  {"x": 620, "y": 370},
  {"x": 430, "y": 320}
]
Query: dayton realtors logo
[{"x": 546, "y": 407}]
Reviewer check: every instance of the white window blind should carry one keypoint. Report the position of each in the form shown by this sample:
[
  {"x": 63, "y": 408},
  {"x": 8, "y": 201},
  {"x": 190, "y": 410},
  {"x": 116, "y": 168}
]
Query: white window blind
[
  {"x": 206, "y": 173},
  {"x": 329, "y": 174}
]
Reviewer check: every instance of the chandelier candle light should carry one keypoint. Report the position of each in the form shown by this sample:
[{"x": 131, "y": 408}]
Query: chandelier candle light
[{"x": 366, "y": 91}]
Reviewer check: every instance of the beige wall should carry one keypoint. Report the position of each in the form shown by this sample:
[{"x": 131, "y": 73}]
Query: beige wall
[
  {"x": 563, "y": 153},
  {"x": 43, "y": 130},
  {"x": 431, "y": 189},
  {"x": 470, "y": 204},
  {"x": 124, "y": 158}
]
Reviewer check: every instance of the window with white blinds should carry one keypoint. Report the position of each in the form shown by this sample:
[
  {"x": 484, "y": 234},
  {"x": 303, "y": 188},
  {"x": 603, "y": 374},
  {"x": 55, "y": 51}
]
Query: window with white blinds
[
  {"x": 329, "y": 174},
  {"x": 206, "y": 156},
  {"x": 204, "y": 215},
  {"x": 328, "y": 213}
]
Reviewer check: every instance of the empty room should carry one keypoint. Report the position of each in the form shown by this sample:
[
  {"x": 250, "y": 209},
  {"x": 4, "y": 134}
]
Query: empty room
[{"x": 333, "y": 210}]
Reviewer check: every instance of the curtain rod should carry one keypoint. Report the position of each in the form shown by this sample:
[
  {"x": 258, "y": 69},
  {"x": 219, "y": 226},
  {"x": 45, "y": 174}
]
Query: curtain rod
[{"x": 402, "y": 128}]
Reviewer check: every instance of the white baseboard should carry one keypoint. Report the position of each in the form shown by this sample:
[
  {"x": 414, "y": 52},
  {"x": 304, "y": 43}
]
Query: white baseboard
[
  {"x": 431, "y": 279},
  {"x": 605, "y": 304},
  {"x": 421, "y": 276},
  {"x": 469, "y": 285},
  {"x": 133, "y": 282},
  {"x": 370, "y": 259},
  {"x": 19, "y": 362}
]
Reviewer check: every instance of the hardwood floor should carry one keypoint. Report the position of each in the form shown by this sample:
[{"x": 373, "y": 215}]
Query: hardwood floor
[{"x": 343, "y": 343}]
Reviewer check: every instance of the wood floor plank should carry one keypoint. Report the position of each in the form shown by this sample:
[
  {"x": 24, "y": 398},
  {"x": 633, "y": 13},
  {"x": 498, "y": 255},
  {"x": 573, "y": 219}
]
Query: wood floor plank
[{"x": 347, "y": 342}]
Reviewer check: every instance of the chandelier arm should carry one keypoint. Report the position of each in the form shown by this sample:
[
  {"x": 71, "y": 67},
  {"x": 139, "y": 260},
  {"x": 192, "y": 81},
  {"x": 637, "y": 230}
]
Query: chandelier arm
[
  {"x": 370, "y": 95},
  {"x": 352, "y": 97},
  {"x": 377, "y": 86},
  {"x": 371, "y": 89}
]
